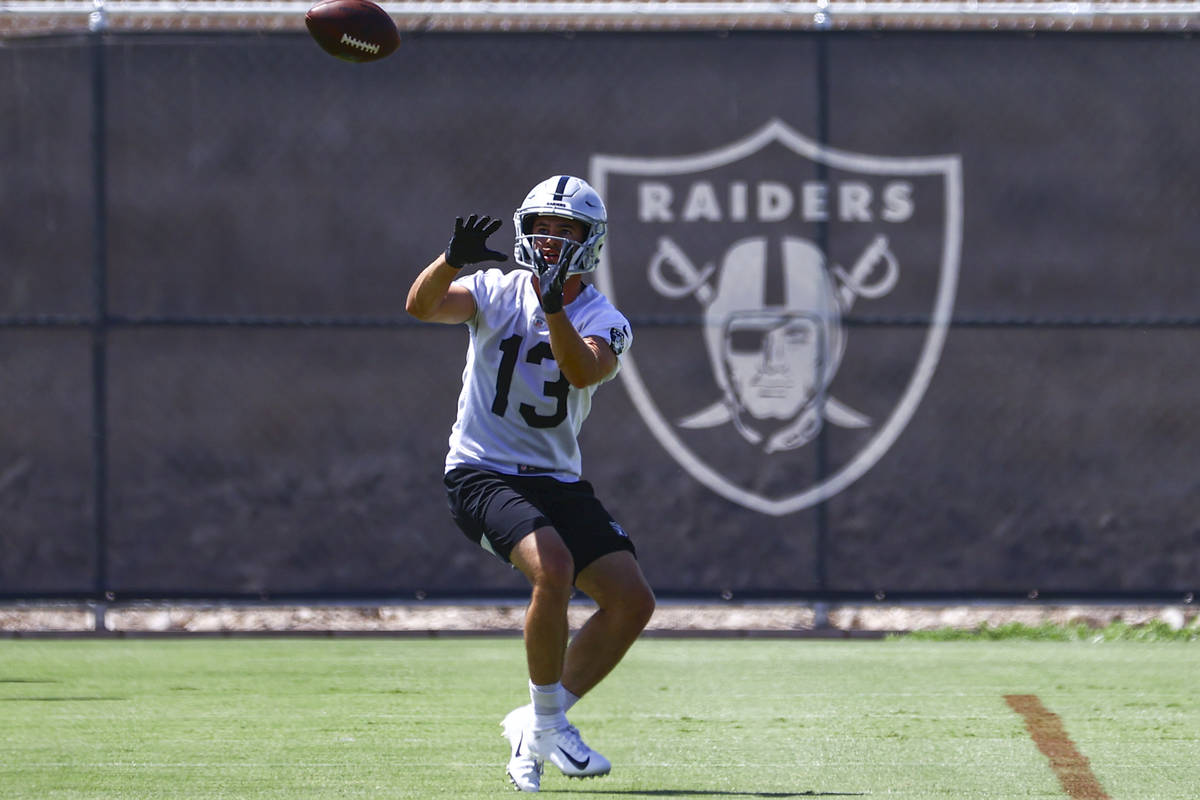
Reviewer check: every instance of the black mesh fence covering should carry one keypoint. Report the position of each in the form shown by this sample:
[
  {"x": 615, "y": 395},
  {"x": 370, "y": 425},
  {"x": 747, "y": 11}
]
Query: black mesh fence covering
[{"x": 914, "y": 313}]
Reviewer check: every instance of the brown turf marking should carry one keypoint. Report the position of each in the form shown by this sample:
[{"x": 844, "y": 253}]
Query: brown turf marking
[{"x": 1051, "y": 738}]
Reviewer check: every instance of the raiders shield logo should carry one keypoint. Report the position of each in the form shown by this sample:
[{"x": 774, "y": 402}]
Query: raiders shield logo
[{"x": 786, "y": 294}]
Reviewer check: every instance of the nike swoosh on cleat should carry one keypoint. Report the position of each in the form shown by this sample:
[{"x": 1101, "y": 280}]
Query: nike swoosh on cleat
[{"x": 578, "y": 764}]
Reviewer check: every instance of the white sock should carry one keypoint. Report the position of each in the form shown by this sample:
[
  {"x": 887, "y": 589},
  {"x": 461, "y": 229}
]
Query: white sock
[
  {"x": 548, "y": 705},
  {"x": 569, "y": 699}
]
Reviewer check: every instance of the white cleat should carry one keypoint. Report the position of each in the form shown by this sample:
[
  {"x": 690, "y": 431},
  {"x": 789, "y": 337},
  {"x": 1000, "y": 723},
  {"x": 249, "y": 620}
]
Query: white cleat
[
  {"x": 565, "y": 750},
  {"x": 524, "y": 769}
]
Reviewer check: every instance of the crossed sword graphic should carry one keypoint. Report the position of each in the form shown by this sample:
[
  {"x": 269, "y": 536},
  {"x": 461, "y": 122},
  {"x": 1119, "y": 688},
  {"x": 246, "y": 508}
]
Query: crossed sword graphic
[{"x": 860, "y": 281}]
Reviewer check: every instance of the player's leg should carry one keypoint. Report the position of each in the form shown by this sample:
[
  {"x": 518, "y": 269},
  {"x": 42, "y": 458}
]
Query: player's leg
[
  {"x": 547, "y": 564},
  {"x": 545, "y": 561},
  {"x": 624, "y": 603},
  {"x": 545, "y": 733}
]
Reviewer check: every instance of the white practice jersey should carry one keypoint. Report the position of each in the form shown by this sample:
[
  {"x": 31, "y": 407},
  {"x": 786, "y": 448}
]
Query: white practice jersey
[{"x": 517, "y": 413}]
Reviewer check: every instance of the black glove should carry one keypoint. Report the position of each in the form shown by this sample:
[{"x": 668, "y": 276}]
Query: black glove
[
  {"x": 551, "y": 282},
  {"x": 468, "y": 245}
]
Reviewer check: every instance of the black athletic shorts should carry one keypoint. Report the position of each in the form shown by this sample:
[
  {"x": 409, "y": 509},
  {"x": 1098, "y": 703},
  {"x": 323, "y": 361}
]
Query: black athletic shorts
[{"x": 496, "y": 511}]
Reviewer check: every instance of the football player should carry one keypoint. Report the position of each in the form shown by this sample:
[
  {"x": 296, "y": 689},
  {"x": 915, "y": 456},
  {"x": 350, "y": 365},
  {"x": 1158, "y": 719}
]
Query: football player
[{"x": 542, "y": 340}]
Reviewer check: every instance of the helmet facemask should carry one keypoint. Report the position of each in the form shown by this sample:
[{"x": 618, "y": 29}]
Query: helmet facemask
[{"x": 534, "y": 248}]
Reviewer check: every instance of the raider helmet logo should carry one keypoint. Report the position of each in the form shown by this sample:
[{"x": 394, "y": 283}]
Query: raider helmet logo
[{"x": 772, "y": 265}]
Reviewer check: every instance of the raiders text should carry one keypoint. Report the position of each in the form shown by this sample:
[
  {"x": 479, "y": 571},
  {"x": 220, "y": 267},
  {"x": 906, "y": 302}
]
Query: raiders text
[{"x": 772, "y": 201}]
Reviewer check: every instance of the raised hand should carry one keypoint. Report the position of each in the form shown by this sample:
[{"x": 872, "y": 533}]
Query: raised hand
[{"x": 468, "y": 245}]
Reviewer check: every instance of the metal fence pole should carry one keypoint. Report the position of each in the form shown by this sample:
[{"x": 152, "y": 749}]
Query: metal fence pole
[
  {"x": 821, "y": 451},
  {"x": 97, "y": 24}
]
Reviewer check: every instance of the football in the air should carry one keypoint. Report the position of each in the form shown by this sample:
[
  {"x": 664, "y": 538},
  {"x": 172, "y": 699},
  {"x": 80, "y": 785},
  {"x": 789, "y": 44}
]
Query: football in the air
[{"x": 353, "y": 30}]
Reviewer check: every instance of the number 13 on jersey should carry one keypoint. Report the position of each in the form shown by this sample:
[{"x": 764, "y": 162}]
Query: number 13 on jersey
[{"x": 557, "y": 390}]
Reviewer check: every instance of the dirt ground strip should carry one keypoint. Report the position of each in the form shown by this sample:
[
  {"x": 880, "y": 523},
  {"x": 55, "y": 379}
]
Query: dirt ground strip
[{"x": 670, "y": 618}]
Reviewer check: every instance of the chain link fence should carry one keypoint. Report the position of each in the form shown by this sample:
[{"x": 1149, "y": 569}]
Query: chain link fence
[{"x": 211, "y": 390}]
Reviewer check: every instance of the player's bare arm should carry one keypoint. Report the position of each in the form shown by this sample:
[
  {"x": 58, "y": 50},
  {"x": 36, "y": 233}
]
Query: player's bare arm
[
  {"x": 584, "y": 361},
  {"x": 433, "y": 297}
]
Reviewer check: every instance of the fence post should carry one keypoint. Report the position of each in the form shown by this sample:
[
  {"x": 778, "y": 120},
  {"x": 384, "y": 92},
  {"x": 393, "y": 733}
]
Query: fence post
[
  {"x": 97, "y": 23},
  {"x": 821, "y": 454}
]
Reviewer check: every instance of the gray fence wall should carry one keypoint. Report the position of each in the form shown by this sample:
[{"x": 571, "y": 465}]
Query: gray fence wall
[{"x": 914, "y": 313}]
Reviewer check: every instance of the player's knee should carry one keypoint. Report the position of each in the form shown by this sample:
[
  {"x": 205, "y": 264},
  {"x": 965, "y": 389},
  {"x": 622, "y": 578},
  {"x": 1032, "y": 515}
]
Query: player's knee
[
  {"x": 641, "y": 607},
  {"x": 546, "y": 562},
  {"x": 556, "y": 571},
  {"x": 555, "y": 578},
  {"x": 635, "y": 607}
]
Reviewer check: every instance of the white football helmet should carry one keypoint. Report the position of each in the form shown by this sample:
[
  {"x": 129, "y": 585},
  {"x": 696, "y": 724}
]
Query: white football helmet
[{"x": 562, "y": 196}]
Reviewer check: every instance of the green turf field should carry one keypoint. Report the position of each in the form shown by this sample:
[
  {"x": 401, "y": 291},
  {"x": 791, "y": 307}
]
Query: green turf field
[{"x": 681, "y": 718}]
